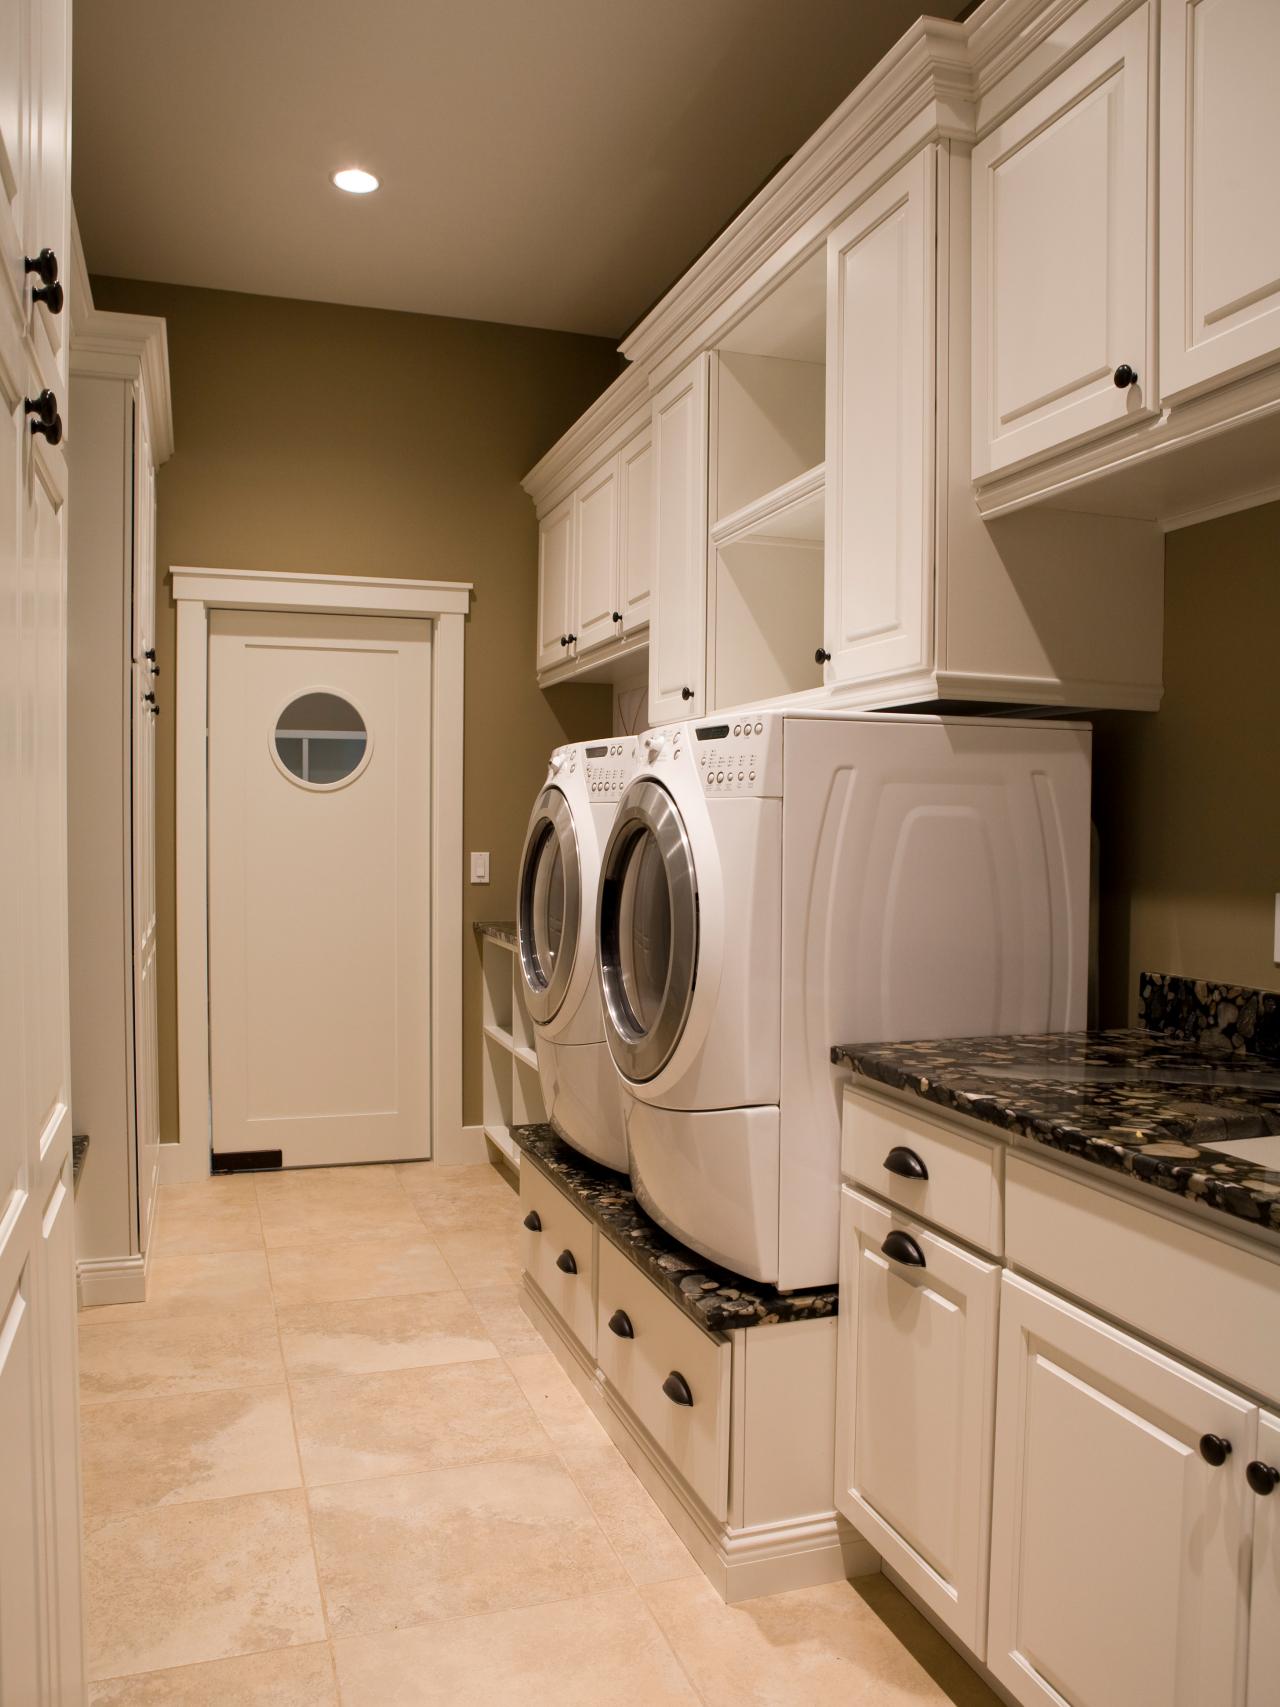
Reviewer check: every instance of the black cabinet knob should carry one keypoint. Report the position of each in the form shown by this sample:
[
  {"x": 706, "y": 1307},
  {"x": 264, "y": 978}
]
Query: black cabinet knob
[
  {"x": 44, "y": 406},
  {"x": 155, "y": 710},
  {"x": 1262, "y": 1478},
  {"x": 620, "y": 1324},
  {"x": 1214, "y": 1449},
  {"x": 905, "y": 1163},
  {"x": 901, "y": 1247},
  {"x": 617, "y": 616},
  {"x": 569, "y": 639},
  {"x": 149, "y": 697},
  {"x": 44, "y": 266},
  {"x": 51, "y": 295},
  {"x": 533, "y": 1221},
  {"x": 564, "y": 639},
  {"x": 822, "y": 656},
  {"x": 567, "y": 1263},
  {"x": 677, "y": 1389},
  {"x": 50, "y": 430},
  {"x": 1125, "y": 376},
  {"x": 686, "y": 693},
  {"x": 150, "y": 654}
]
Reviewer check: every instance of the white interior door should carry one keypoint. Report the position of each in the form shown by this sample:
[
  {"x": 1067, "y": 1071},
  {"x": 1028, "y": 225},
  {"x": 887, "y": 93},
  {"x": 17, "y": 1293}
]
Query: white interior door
[{"x": 319, "y": 886}]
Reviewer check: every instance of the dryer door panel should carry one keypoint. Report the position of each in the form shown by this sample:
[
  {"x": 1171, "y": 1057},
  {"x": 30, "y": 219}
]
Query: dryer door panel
[{"x": 549, "y": 905}]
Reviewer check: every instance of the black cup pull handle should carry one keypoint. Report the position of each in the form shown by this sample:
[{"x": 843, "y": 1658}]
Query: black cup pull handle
[
  {"x": 1215, "y": 1450},
  {"x": 1262, "y": 1478},
  {"x": 901, "y": 1247},
  {"x": 533, "y": 1221},
  {"x": 567, "y": 1263},
  {"x": 905, "y": 1163},
  {"x": 686, "y": 693},
  {"x": 677, "y": 1389},
  {"x": 620, "y": 1324}
]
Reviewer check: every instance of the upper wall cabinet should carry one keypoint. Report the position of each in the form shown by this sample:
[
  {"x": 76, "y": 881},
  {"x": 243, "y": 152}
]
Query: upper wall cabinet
[
  {"x": 594, "y": 497},
  {"x": 677, "y": 663},
  {"x": 1219, "y": 225},
  {"x": 1062, "y": 222}
]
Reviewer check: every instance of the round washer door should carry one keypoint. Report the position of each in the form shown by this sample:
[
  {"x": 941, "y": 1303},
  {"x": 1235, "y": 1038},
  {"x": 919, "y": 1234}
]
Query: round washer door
[
  {"x": 549, "y": 909},
  {"x": 647, "y": 931}
]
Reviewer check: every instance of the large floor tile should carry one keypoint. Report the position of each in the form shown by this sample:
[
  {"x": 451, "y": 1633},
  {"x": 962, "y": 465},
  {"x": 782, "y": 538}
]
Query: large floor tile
[
  {"x": 355, "y": 1427},
  {"x": 649, "y": 1548},
  {"x": 178, "y": 1354},
  {"x": 281, "y": 1677},
  {"x": 213, "y": 1215},
  {"x": 361, "y": 1336},
  {"x": 151, "y": 1452},
  {"x": 197, "y": 1283},
  {"x": 604, "y": 1649},
  {"x": 186, "y": 1583},
  {"x": 462, "y": 1199},
  {"x": 820, "y": 1647},
  {"x": 402, "y": 1262},
  {"x": 482, "y": 1538},
  {"x": 557, "y": 1403},
  {"x": 485, "y": 1258},
  {"x": 500, "y": 1310},
  {"x": 308, "y": 1207}
]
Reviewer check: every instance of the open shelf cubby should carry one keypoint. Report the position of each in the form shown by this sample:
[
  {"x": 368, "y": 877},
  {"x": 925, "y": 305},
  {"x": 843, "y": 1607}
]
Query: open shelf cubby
[{"x": 511, "y": 1089}]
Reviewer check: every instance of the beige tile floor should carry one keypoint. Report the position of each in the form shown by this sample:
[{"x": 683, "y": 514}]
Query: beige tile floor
[{"x": 329, "y": 1461}]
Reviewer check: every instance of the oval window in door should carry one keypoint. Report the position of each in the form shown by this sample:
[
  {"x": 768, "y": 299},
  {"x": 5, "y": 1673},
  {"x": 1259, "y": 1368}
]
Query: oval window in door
[{"x": 321, "y": 739}]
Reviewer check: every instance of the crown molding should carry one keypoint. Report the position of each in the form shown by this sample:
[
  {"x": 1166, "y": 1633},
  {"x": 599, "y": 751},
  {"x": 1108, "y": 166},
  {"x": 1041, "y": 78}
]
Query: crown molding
[{"x": 609, "y": 417}]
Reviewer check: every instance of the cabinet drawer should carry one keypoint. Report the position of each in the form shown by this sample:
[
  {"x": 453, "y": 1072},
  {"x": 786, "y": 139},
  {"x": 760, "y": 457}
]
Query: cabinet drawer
[
  {"x": 664, "y": 1346},
  {"x": 559, "y": 1254},
  {"x": 961, "y": 1190},
  {"x": 916, "y": 1386}
]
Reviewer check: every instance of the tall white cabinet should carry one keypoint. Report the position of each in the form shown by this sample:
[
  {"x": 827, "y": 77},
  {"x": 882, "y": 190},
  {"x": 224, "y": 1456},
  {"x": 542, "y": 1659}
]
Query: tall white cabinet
[{"x": 120, "y": 394}]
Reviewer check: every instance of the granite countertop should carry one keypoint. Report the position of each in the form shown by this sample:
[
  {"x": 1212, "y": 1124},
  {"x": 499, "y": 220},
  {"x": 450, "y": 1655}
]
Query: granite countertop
[
  {"x": 501, "y": 930},
  {"x": 1140, "y": 1102},
  {"x": 712, "y": 1297}
]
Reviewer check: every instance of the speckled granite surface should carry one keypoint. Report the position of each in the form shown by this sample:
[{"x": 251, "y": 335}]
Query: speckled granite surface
[
  {"x": 501, "y": 930},
  {"x": 715, "y": 1299},
  {"x": 1139, "y": 1102},
  {"x": 1220, "y": 1019}
]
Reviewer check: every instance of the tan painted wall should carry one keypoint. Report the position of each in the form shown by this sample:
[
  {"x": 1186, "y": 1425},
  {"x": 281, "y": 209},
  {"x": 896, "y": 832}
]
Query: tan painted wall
[
  {"x": 1187, "y": 801},
  {"x": 354, "y": 441}
]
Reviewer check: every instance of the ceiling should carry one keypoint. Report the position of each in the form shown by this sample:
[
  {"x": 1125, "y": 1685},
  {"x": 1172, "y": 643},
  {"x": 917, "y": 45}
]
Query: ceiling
[{"x": 553, "y": 163}]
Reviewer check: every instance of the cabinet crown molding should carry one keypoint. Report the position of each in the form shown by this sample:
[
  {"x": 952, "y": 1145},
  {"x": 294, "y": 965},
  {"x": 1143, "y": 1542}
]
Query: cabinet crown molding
[{"x": 588, "y": 440}]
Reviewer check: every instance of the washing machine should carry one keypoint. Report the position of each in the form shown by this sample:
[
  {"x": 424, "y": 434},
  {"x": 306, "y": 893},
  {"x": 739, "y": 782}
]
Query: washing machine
[
  {"x": 555, "y": 919},
  {"x": 778, "y": 882}
]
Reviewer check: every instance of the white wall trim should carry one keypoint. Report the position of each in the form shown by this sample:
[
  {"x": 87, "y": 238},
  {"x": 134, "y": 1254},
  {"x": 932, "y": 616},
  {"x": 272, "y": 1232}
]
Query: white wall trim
[
  {"x": 112, "y": 1280},
  {"x": 444, "y": 603}
]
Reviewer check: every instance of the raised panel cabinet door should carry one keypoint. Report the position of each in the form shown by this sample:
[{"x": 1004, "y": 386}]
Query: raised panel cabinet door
[
  {"x": 1264, "y": 1599},
  {"x": 595, "y": 581},
  {"x": 916, "y": 1397},
  {"x": 878, "y": 615},
  {"x": 1119, "y": 1550},
  {"x": 1219, "y": 208},
  {"x": 678, "y": 612},
  {"x": 555, "y": 576},
  {"x": 1062, "y": 256},
  {"x": 635, "y": 571}
]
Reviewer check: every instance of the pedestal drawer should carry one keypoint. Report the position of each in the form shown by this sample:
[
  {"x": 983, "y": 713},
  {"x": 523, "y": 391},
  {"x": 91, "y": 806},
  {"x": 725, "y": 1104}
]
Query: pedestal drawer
[
  {"x": 671, "y": 1375},
  {"x": 559, "y": 1254}
]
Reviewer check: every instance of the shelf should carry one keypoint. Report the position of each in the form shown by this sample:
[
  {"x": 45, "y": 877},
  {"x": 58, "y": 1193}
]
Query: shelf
[
  {"x": 495, "y": 1034},
  {"x": 527, "y": 1056},
  {"x": 502, "y": 1140},
  {"x": 792, "y": 513}
]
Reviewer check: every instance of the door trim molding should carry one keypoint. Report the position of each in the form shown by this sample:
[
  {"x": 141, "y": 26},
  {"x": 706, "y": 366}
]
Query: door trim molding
[{"x": 443, "y": 603}]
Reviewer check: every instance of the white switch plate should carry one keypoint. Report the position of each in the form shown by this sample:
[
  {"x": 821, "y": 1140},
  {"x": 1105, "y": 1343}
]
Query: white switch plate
[{"x": 479, "y": 868}]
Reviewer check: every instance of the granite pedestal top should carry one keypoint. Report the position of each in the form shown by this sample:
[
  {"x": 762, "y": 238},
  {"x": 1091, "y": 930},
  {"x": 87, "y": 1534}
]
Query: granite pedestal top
[
  {"x": 500, "y": 930},
  {"x": 1145, "y": 1104},
  {"x": 712, "y": 1297}
]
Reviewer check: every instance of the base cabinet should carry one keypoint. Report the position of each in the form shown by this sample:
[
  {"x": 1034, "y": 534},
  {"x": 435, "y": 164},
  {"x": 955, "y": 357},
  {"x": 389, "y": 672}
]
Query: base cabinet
[
  {"x": 1120, "y": 1541},
  {"x": 1263, "y": 1475},
  {"x": 916, "y": 1395}
]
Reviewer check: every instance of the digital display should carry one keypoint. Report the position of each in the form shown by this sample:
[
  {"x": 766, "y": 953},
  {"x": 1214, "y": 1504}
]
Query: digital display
[
  {"x": 597, "y": 752},
  {"x": 712, "y": 732}
]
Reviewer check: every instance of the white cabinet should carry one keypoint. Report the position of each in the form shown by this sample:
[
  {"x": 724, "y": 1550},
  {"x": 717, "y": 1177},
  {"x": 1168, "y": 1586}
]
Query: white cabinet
[
  {"x": 593, "y": 596},
  {"x": 678, "y": 623},
  {"x": 555, "y": 577},
  {"x": 1118, "y": 1551},
  {"x": 120, "y": 397},
  {"x": 635, "y": 578},
  {"x": 878, "y": 618},
  {"x": 917, "y": 1364},
  {"x": 1219, "y": 223},
  {"x": 1264, "y": 1601},
  {"x": 1062, "y": 255}
]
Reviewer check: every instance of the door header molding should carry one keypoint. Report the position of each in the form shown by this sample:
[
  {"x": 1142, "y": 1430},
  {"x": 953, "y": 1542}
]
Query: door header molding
[
  {"x": 356, "y": 595},
  {"x": 445, "y": 605}
]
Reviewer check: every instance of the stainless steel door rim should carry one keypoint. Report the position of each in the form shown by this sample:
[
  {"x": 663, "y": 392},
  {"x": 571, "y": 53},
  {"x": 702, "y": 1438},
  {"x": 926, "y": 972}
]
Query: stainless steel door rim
[
  {"x": 644, "y": 1022},
  {"x": 547, "y": 967}
]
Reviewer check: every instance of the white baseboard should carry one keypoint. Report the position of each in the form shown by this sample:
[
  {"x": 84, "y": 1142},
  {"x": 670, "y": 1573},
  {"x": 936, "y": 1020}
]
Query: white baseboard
[
  {"x": 770, "y": 1558},
  {"x": 111, "y": 1280},
  {"x": 465, "y": 1144}
]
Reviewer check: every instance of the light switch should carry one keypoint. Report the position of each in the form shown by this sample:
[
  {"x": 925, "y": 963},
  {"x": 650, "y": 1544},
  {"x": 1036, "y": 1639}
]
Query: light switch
[{"x": 479, "y": 868}]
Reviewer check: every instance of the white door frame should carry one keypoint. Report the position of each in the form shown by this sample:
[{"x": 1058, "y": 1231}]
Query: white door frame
[{"x": 443, "y": 603}]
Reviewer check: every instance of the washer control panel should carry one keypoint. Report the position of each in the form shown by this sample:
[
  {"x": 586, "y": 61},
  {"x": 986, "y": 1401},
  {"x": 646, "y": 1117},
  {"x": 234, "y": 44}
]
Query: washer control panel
[
  {"x": 608, "y": 766},
  {"x": 737, "y": 755}
]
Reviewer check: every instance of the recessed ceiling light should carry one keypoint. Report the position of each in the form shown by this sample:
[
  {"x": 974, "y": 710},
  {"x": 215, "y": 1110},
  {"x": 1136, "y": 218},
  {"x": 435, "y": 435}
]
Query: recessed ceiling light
[{"x": 354, "y": 181}]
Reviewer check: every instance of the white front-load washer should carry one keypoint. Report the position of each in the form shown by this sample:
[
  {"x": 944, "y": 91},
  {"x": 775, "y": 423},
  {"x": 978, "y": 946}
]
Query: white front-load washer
[
  {"x": 779, "y": 882},
  {"x": 555, "y": 926}
]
